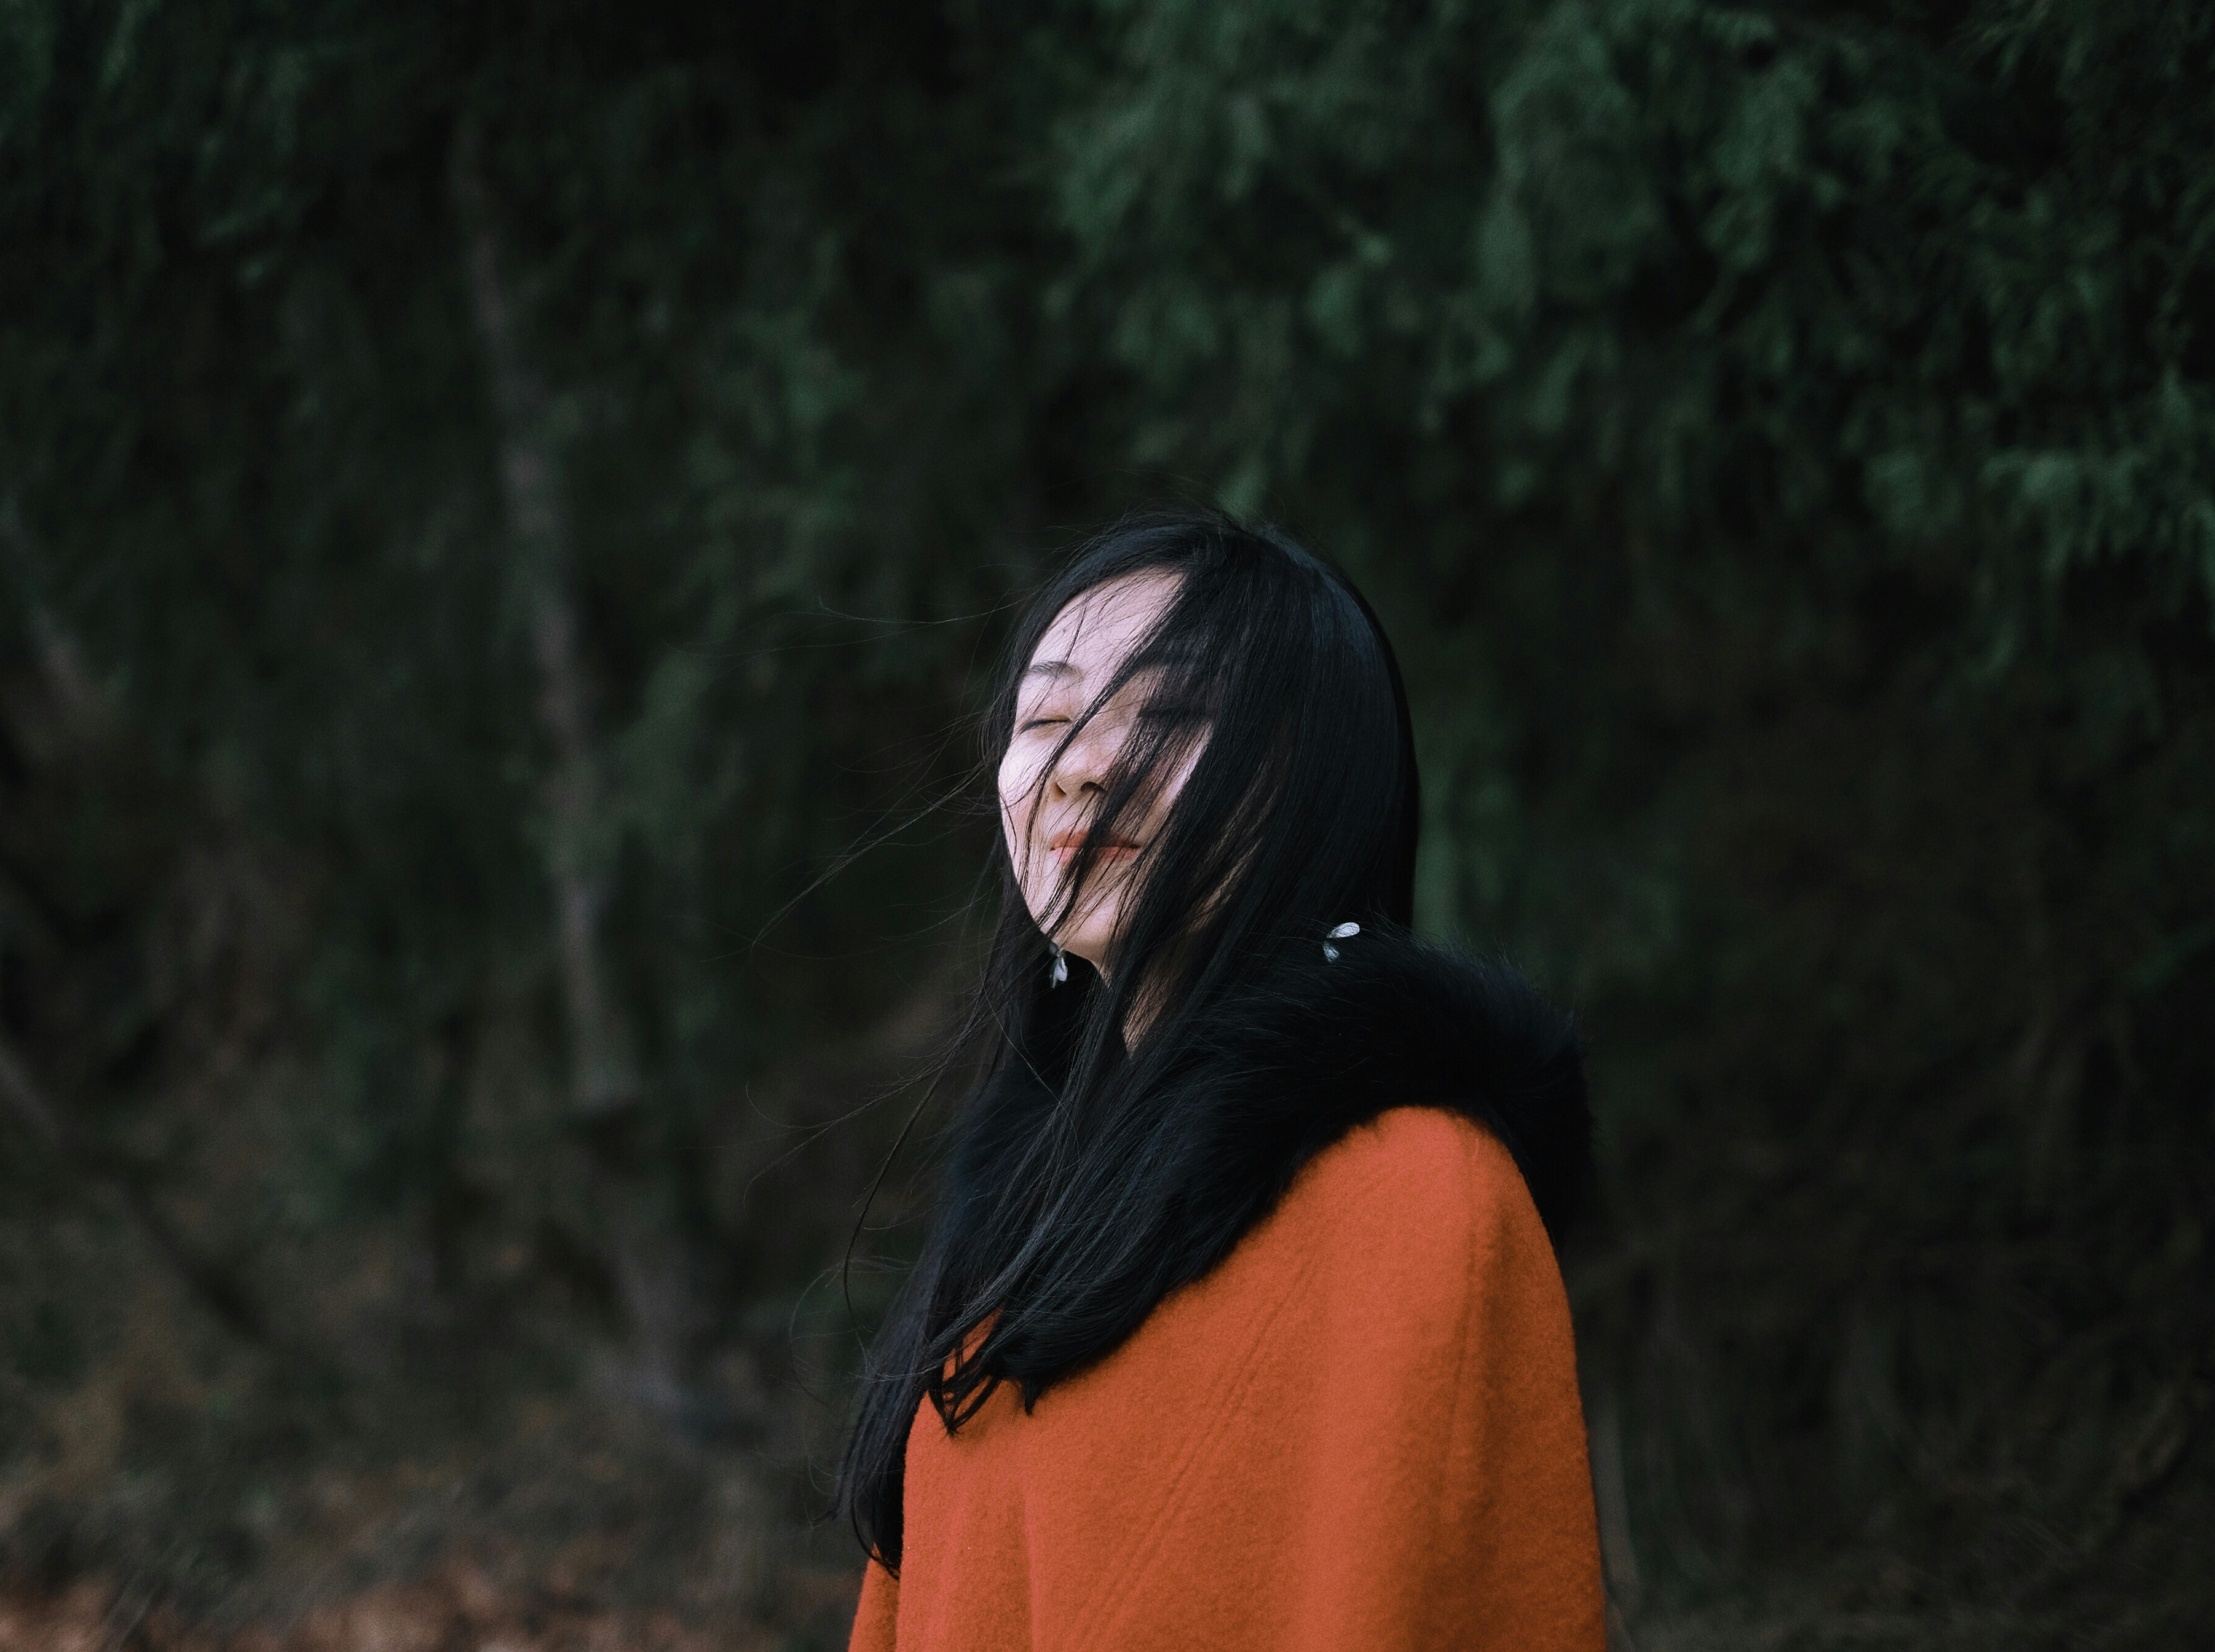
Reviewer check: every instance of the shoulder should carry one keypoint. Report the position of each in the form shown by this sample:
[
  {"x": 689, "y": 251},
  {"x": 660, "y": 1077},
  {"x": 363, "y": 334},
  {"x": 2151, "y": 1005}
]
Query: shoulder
[
  {"x": 1412, "y": 1188},
  {"x": 1409, "y": 1246},
  {"x": 1428, "y": 1161}
]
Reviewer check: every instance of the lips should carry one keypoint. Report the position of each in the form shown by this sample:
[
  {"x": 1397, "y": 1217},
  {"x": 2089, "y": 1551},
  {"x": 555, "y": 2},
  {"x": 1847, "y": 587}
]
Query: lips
[{"x": 1066, "y": 846}]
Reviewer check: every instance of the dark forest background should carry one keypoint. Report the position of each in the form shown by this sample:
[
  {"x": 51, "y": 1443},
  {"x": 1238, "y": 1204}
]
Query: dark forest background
[{"x": 498, "y": 501}]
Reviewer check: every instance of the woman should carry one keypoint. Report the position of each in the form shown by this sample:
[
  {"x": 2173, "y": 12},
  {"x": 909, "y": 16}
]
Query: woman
[{"x": 1239, "y": 1325}]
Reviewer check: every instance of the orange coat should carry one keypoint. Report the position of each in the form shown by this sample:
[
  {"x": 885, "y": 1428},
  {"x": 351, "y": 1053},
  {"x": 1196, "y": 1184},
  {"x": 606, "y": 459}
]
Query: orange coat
[{"x": 1361, "y": 1431}]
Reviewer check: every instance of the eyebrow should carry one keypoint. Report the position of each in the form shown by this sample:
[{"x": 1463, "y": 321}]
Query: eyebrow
[{"x": 1049, "y": 668}]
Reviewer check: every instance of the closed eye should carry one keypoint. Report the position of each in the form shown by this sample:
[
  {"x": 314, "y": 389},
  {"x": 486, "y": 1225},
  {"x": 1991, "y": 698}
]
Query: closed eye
[{"x": 1040, "y": 722}]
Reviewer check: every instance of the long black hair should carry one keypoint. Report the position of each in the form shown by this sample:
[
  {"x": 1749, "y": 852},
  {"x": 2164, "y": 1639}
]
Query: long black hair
[{"x": 1055, "y": 1231}]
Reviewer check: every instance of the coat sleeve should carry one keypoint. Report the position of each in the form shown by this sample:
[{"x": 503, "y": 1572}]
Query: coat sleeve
[
  {"x": 1448, "y": 1503},
  {"x": 877, "y": 1614}
]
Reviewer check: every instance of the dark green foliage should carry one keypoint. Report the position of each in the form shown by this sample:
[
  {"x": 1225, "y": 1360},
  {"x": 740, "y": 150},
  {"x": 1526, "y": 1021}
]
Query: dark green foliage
[{"x": 1781, "y": 437}]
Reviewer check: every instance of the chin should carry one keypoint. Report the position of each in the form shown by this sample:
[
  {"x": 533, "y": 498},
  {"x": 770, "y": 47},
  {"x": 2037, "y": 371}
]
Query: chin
[
  {"x": 1089, "y": 939},
  {"x": 1090, "y": 948}
]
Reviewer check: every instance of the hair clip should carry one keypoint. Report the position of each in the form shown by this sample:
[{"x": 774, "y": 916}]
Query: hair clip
[{"x": 1344, "y": 932}]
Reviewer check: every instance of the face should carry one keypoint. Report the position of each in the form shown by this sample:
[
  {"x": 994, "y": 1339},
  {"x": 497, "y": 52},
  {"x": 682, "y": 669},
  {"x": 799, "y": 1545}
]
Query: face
[{"x": 1047, "y": 805}]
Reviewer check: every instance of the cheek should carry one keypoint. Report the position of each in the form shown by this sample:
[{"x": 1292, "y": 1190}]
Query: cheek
[
  {"x": 1180, "y": 771},
  {"x": 1018, "y": 785}
]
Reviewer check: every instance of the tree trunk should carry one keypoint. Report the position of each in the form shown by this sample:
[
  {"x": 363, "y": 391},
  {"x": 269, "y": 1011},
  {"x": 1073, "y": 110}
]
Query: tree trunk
[
  {"x": 603, "y": 1078},
  {"x": 650, "y": 1271}
]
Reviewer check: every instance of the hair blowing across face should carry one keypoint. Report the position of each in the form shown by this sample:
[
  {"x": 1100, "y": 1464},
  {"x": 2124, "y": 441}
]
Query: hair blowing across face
[{"x": 1299, "y": 812}]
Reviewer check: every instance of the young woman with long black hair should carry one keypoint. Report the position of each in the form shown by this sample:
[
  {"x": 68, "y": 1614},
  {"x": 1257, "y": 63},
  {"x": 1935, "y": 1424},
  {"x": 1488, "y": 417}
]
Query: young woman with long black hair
[{"x": 1238, "y": 1325}]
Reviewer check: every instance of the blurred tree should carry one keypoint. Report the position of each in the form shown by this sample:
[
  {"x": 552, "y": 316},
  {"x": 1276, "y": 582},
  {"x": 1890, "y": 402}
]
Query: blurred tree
[{"x": 496, "y": 503}]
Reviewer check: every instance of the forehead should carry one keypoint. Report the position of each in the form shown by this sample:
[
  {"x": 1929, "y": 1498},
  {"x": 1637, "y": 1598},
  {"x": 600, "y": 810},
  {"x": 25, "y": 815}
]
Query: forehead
[{"x": 1092, "y": 634}]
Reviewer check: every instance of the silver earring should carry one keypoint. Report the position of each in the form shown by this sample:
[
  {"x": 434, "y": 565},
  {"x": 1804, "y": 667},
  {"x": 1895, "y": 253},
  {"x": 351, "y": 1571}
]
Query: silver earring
[
  {"x": 1344, "y": 932},
  {"x": 1060, "y": 973}
]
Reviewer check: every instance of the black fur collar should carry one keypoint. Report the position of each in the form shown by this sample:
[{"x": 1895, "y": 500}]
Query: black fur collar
[
  {"x": 1286, "y": 1069},
  {"x": 1329, "y": 1044}
]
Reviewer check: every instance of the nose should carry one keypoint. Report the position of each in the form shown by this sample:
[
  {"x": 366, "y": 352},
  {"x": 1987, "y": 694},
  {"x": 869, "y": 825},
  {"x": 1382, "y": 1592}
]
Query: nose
[{"x": 1084, "y": 763}]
